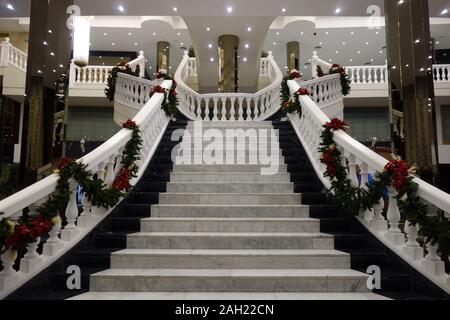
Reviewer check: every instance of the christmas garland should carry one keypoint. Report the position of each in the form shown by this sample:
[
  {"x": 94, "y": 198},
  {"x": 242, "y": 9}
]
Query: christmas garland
[
  {"x": 293, "y": 105},
  {"x": 29, "y": 229},
  {"x": 170, "y": 102},
  {"x": 397, "y": 174},
  {"x": 345, "y": 79},
  {"x": 112, "y": 78},
  {"x": 285, "y": 93}
]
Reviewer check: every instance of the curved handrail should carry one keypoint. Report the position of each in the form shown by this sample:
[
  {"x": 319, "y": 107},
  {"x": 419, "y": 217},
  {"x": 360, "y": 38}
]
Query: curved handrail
[
  {"x": 105, "y": 162},
  {"x": 316, "y": 61},
  {"x": 309, "y": 129},
  {"x": 228, "y": 106}
]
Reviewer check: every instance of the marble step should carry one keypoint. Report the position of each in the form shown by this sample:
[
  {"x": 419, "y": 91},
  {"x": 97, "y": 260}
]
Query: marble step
[
  {"x": 225, "y": 160},
  {"x": 229, "y": 259},
  {"x": 231, "y": 225},
  {"x": 228, "y": 240},
  {"x": 228, "y": 296},
  {"x": 228, "y": 198},
  {"x": 238, "y": 177},
  {"x": 225, "y": 168},
  {"x": 229, "y": 211},
  {"x": 231, "y": 124},
  {"x": 217, "y": 187},
  {"x": 229, "y": 280},
  {"x": 270, "y": 144}
]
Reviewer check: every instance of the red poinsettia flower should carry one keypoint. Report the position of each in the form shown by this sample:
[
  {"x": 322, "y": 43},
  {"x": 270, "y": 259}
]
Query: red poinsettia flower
[
  {"x": 21, "y": 236},
  {"x": 336, "y": 124},
  {"x": 64, "y": 163},
  {"x": 331, "y": 171},
  {"x": 328, "y": 157},
  {"x": 40, "y": 226},
  {"x": 286, "y": 104},
  {"x": 129, "y": 124},
  {"x": 295, "y": 75},
  {"x": 399, "y": 170},
  {"x": 173, "y": 93},
  {"x": 158, "y": 89},
  {"x": 335, "y": 66},
  {"x": 303, "y": 91},
  {"x": 122, "y": 181}
]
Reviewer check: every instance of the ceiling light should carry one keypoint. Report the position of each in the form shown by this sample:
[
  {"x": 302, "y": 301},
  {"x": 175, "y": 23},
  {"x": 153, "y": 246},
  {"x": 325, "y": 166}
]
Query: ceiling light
[
  {"x": 249, "y": 29},
  {"x": 274, "y": 43},
  {"x": 352, "y": 33},
  {"x": 175, "y": 9},
  {"x": 230, "y": 9},
  {"x": 52, "y": 54},
  {"x": 359, "y": 52},
  {"x": 113, "y": 43},
  {"x": 278, "y": 33},
  {"x": 344, "y": 43},
  {"x": 208, "y": 29},
  {"x": 61, "y": 66},
  {"x": 105, "y": 34},
  {"x": 247, "y": 45},
  {"x": 50, "y": 31},
  {"x": 327, "y": 32},
  {"x": 417, "y": 41},
  {"x": 179, "y": 33},
  {"x": 244, "y": 59},
  {"x": 121, "y": 8},
  {"x": 367, "y": 43},
  {"x": 136, "y": 44},
  {"x": 445, "y": 11},
  {"x": 129, "y": 33},
  {"x": 338, "y": 10},
  {"x": 182, "y": 43},
  {"x": 302, "y": 33},
  {"x": 400, "y": 2},
  {"x": 283, "y": 10},
  {"x": 154, "y": 33},
  {"x": 337, "y": 52},
  {"x": 10, "y": 6},
  {"x": 211, "y": 59},
  {"x": 351, "y": 60},
  {"x": 45, "y": 43},
  {"x": 210, "y": 45},
  {"x": 437, "y": 42}
]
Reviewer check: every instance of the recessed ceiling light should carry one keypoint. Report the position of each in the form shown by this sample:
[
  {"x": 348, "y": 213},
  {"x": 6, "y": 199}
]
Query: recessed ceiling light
[
  {"x": 283, "y": 10},
  {"x": 327, "y": 32},
  {"x": 10, "y": 6},
  {"x": 445, "y": 11},
  {"x": 208, "y": 29},
  {"x": 244, "y": 59},
  {"x": 344, "y": 43},
  {"x": 211, "y": 59},
  {"x": 175, "y": 9},
  {"x": 113, "y": 43},
  {"x": 50, "y": 31},
  {"x": 121, "y": 8},
  {"x": 337, "y": 11},
  {"x": 274, "y": 43},
  {"x": 179, "y": 33},
  {"x": 105, "y": 34},
  {"x": 351, "y": 60},
  {"x": 230, "y": 9},
  {"x": 249, "y": 29},
  {"x": 302, "y": 33},
  {"x": 61, "y": 66},
  {"x": 45, "y": 43},
  {"x": 352, "y": 33},
  {"x": 136, "y": 44},
  {"x": 400, "y": 2},
  {"x": 437, "y": 42},
  {"x": 210, "y": 45},
  {"x": 337, "y": 52},
  {"x": 247, "y": 45},
  {"x": 278, "y": 33},
  {"x": 367, "y": 43},
  {"x": 359, "y": 52},
  {"x": 52, "y": 54},
  {"x": 182, "y": 44},
  {"x": 154, "y": 33},
  {"x": 129, "y": 33},
  {"x": 417, "y": 41}
]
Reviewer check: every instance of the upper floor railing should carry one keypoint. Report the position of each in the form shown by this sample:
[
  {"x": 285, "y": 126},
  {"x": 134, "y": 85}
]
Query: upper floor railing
[
  {"x": 405, "y": 242},
  {"x": 228, "y": 106},
  {"x": 105, "y": 162},
  {"x": 98, "y": 75},
  {"x": 371, "y": 74},
  {"x": 10, "y": 55}
]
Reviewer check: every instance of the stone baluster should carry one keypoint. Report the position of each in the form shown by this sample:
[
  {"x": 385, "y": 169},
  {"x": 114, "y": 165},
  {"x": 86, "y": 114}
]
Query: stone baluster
[
  {"x": 352, "y": 164},
  {"x": 110, "y": 173},
  {"x": 223, "y": 111},
  {"x": 412, "y": 247},
  {"x": 31, "y": 260},
  {"x": 8, "y": 275},
  {"x": 54, "y": 243},
  {"x": 394, "y": 234},
  {"x": 432, "y": 263},
  {"x": 215, "y": 109},
  {"x": 71, "y": 229},
  {"x": 357, "y": 73},
  {"x": 241, "y": 109}
]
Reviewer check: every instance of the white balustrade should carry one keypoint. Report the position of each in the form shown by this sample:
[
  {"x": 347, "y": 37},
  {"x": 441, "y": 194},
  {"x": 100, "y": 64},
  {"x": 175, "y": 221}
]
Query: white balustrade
[
  {"x": 105, "y": 162},
  {"x": 10, "y": 55},
  {"x": 441, "y": 72},
  {"x": 228, "y": 106},
  {"x": 403, "y": 242}
]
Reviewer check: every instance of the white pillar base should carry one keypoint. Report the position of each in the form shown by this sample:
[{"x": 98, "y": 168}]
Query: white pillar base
[
  {"x": 434, "y": 267},
  {"x": 29, "y": 265},
  {"x": 8, "y": 281},
  {"x": 69, "y": 235},
  {"x": 84, "y": 221},
  {"x": 50, "y": 249},
  {"x": 415, "y": 253},
  {"x": 397, "y": 239}
]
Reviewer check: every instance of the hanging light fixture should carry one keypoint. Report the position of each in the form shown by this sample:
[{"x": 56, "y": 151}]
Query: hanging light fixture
[{"x": 81, "y": 40}]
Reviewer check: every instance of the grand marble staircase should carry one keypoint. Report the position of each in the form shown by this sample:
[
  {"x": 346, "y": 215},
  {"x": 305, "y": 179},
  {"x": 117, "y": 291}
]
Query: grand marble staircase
[{"x": 226, "y": 231}]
